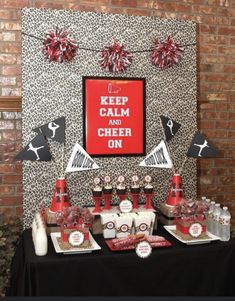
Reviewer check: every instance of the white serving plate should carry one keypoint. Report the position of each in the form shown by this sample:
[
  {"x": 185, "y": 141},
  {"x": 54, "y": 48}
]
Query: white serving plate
[
  {"x": 211, "y": 237},
  {"x": 94, "y": 246}
]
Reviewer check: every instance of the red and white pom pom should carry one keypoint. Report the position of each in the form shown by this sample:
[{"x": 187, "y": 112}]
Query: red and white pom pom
[
  {"x": 59, "y": 46},
  {"x": 115, "y": 58},
  {"x": 166, "y": 54}
]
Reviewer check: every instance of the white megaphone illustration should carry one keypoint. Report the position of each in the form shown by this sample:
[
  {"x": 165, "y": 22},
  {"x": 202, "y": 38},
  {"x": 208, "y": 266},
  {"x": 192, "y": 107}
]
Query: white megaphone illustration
[{"x": 113, "y": 89}]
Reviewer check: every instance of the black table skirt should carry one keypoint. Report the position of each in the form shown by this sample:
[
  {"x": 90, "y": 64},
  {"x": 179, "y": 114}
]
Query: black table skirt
[{"x": 181, "y": 270}]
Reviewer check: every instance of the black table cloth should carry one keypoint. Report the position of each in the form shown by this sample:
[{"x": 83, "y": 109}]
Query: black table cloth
[{"x": 181, "y": 270}]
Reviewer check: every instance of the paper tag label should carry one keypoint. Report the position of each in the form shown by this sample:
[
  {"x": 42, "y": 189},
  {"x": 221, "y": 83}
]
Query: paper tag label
[
  {"x": 224, "y": 221},
  {"x": 76, "y": 238},
  {"x": 125, "y": 206},
  {"x": 124, "y": 228},
  {"x": 143, "y": 249},
  {"x": 195, "y": 230},
  {"x": 143, "y": 227},
  {"x": 110, "y": 225}
]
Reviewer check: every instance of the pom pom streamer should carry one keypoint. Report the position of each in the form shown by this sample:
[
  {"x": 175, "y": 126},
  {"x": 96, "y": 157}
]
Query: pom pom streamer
[
  {"x": 58, "y": 46},
  {"x": 115, "y": 58},
  {"x": 166, "y": 54}
]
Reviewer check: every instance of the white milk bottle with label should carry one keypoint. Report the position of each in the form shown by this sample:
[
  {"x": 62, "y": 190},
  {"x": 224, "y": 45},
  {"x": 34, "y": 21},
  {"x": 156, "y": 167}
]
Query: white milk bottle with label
[{"x": 225, "y": 218}]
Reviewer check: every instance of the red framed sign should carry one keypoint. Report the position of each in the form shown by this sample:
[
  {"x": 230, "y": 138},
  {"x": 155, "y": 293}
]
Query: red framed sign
[{"x": 114, "y": 116}]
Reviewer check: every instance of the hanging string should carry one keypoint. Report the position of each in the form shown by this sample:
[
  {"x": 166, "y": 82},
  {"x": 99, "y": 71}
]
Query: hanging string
[
  {"x": 97, "y": 50},
  {"x": 32, "y": 36}
]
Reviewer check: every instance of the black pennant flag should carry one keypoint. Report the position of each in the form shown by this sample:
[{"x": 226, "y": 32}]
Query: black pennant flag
[
  {"x": 54, "y": 130},
  {"x": 200, "y": 147},
  {"x": 170, "y": 127},
  {"x": 36, "y": 150}
]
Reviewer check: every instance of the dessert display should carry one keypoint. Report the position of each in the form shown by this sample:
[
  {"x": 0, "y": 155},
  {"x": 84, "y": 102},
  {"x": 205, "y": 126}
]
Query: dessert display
[
  {"x": 97, "y": 195},
  {"x": 74, "y": 223},
  {"x": 190, "y": 219}
]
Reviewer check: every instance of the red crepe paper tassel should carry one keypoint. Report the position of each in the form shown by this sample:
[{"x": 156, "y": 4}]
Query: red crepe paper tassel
[
  {"x": 115, "y": 58},
  {"x": 166, "y": 54},
  {"x": 59, "y": 46}
]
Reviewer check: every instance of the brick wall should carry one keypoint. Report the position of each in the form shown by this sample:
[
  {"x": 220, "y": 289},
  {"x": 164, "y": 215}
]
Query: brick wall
[{"x": 216, "y": 106}]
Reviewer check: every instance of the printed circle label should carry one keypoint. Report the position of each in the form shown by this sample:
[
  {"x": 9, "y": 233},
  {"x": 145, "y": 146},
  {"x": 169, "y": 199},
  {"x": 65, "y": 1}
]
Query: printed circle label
[
  {"x": 135, "y": 178},
  {"x": 148, "y": 178},
  {"x": 195, "y": 230},
  {"x": 110, "y": 225},
  {"x": 124, "y": 228},
  {"x": 121, "y": 179},
  {"x": 97, "y": 181},
  {"x": 143, "y": 249},
  {"x": 126, "y": 206},
  {"x": 107, "y": 179},
  {"x": 143, "y": 227},
  {"x": 76, "y": 238}
]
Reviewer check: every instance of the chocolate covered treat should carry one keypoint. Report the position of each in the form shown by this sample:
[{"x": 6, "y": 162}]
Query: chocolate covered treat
[
  {"x": 107, "y": 189},
  {"x": 135, "y": 187},
  {"x": 148, "y": 188},
  {"x": 97, "y": 190},
  {"x": 121, "y": 188}
]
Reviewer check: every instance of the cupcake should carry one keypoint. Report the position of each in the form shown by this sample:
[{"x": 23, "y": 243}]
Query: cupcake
[
  {"x": 121, "y": 188},
  {"x": 97, "y": 190},
  {"x": 107, "y": 189},
  {"x": 148, "y": 188},
  {"x": 135, "y": 187}
]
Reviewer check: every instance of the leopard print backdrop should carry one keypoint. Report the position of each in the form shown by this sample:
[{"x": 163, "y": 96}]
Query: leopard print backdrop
[{"x": 51, "y": 90}]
